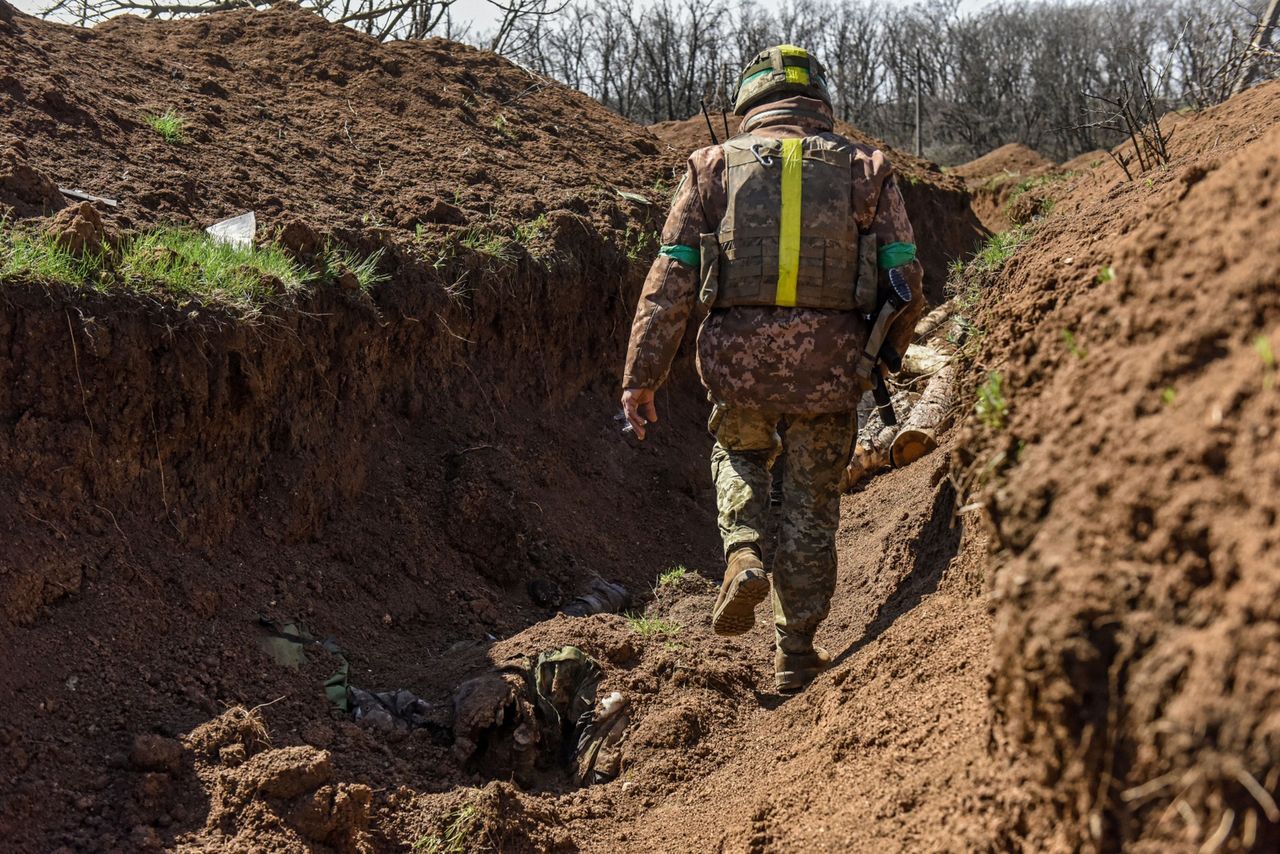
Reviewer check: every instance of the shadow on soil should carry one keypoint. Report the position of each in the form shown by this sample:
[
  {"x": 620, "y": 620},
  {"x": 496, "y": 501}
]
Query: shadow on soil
[{"x": 937, "y": 542}]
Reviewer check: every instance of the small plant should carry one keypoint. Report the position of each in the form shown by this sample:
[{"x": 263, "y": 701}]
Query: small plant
[
  {"x": 1168, "y": 395},
  {"x": 502, "y": 126},
  {"x": 458, "y": 837},
  {"x": 991, "y": 406},
  {"x": 183, "y": 262},
  {"x": 1262, "y": 346},
  {"x": 1106, "y": 275},
  {"x": 31, "y": 255},
  {"x": 1000, "y": 248},
  {"x": 336, "y": 262},
  {"x": 169, "y": 125},
  {"x": 637, "y": 241},
  {"x": 527, "y": 232},
  {"x": 674, "y": 575},
  {"x": 650, "y": 626},
  {"x": 1040, "y": 203},
  {"x": 489, "y": 243},
  {"x": 1069, "y": 341}
]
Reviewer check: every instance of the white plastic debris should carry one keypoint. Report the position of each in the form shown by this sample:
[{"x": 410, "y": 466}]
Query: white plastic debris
[
  {"x": 611, "y": 704},
  {"x": 237, "y": 231}
]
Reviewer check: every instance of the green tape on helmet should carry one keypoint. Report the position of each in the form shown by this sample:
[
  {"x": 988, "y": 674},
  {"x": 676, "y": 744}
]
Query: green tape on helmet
[{"x": 777, "y": 72}]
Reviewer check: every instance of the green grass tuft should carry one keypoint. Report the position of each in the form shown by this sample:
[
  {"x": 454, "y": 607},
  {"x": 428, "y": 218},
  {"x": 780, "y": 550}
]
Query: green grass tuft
[
  {"x": 1168, "y": 396},
  {"x": 1069, "y": 341},
  {"x": 674, "y": 575},
  {"x": 1262, "y": 346},
  {"x": 502, "y": 126},
  {"x": 528, "y": 232},
  {"x": 458, "y": 837},
  {"x": 650, "y": 626},
  {"x": 183, "y": 262},
  {"x": 170, "y": 125},
  {"x": 489, "y": 243},
  {"x": 1036, "y": 182},
  {"x": 1106, "y": 275},
  {"x": 177, "y": 262},
  {"x": 337, "y": 261},
  {"x": 991, "y": 406},
  {"x": 29, "y": 255}
]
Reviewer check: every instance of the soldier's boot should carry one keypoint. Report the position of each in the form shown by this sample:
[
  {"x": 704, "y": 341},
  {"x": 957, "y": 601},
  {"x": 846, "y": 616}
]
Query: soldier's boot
[
  {"x": 744, "y": 587},
  {"x": 795, "y": 670}
]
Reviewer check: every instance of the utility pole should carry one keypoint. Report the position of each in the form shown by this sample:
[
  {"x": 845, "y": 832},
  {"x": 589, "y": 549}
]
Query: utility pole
[
  {"x": 1261, "y": 36},
  {"x": 919, "y": 146}
]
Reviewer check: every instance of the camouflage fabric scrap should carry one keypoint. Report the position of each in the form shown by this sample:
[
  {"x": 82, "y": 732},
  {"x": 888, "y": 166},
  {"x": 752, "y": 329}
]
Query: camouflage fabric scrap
[{"x": 804, "y": 559}]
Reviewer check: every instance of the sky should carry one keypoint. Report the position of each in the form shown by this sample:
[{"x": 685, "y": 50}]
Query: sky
[{"x": 482, "y": 15}]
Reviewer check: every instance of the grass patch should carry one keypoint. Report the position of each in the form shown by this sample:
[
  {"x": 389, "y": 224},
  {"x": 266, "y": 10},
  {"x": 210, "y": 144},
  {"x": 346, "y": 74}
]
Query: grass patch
[
  {"x": 1168, "y": 396},
  {"x": 637, "y": 242},
  {"x": 170, "y": 125},
  {"x": 999, "y": 249},
  {"x": 33, "y": 256},
  {"x": 189, "y": 263},
  {"x": 337, "y": 261},
  {"x": 650, "y": 626},
  {"x": 1106, "y": 275},
  {"x": 991, "y": 406},
  {"x": 458, "y": 836},
  {"x": 484, "y": 242},
  {"x": 178, "y": 262},
  {"x": 502, "y": 126},
  {"x": 966, "y": 280},
  {"x": 1037, "y": 182},
  {"x": 527, "y": 232},
  {"x": 674, "y": 575}
]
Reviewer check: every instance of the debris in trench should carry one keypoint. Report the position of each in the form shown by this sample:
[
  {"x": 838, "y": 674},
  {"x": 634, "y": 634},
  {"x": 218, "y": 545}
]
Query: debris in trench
[
  {"x": 286, "y": 644},
  {"x": 541, "y": 713},
  {"x": 603, "y": 597},
  {"x": 921, "y": 416},
  {"x": 238, "y": 231},
  {"x": 389, "y": 711},
  {"x": 82, "y": 196}
]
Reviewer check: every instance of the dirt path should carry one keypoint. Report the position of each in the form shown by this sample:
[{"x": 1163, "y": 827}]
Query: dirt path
[{"x": 890, "y": 746}]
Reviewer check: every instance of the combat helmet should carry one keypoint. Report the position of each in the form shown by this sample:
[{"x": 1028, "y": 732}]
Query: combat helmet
[{"x": 781, "y": 70}]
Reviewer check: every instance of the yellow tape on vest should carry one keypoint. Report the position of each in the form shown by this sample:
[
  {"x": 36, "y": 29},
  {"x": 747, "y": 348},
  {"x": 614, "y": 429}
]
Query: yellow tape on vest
[{"x": 789, "y": 234}]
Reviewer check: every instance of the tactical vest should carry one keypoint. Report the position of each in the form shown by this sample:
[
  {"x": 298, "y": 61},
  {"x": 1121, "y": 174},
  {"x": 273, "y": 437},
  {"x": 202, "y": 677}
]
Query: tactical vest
[{"x": 789, "y": 236}]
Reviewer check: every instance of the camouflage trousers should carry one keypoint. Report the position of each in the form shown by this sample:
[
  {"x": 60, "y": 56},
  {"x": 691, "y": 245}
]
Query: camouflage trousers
[{"x": 804, "y": 557}]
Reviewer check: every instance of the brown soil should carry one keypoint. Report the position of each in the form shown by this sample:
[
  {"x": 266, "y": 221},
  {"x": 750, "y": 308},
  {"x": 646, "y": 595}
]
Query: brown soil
[
  {"x": 394, "y": 469},
  {"x": 993, "y": 176},
  {"x": 1011, "y": 159},
  {"x": 938, "y": 204},
  {"x": 1135, "y": 626}
]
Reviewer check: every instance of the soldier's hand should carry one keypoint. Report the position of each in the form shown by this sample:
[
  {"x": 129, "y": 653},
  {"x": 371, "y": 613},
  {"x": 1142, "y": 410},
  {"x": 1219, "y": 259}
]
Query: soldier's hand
[{"x": 638, "y": 406}]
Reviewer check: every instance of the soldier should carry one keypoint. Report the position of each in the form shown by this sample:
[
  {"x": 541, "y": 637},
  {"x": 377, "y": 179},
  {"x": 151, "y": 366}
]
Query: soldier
[{"x": 785, "y": 233}]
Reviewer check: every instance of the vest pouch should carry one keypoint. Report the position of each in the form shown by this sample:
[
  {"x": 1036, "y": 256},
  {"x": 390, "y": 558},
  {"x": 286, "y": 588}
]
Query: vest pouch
[
  {"x": 709, "y": 273},
  {"x": 865, "y": 291}
]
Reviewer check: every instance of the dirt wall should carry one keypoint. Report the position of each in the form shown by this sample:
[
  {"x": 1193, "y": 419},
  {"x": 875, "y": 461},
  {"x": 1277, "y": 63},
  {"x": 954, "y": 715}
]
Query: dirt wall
[{"x": 1134, "y": 492}]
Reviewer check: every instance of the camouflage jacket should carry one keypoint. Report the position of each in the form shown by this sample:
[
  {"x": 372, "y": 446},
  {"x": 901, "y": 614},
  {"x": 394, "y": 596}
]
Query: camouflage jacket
[{"x": 784, "y": 359}]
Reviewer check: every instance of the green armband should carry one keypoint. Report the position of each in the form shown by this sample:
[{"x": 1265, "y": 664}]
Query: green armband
[
  {"x": 690, "y": 256},
  {"x": 895, "y": 255}
]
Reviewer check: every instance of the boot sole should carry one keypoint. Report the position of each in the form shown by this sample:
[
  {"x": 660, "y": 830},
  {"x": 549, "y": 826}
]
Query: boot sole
[
  {"x": 795, "y": 681},
  {"x": 737, "y": 613}
]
